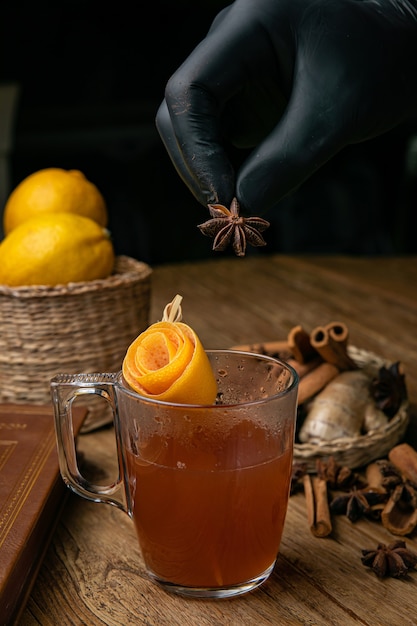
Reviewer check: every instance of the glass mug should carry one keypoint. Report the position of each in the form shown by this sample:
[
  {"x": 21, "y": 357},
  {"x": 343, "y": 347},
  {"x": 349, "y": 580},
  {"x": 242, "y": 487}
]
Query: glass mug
[{"x": 207, "y": 487}]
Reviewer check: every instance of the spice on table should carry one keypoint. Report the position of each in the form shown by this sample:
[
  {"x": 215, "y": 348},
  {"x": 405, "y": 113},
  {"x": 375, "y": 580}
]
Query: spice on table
[
  {"x": 390, "y": 476},
  {"x": 393, "y": 560},
  {"x": 229, "y": 227},
  {"x": 318, "y": 514},
  {"x": 375, "y": 474},
  {"x": 399, "y": 515},
  {"x": 404, "y": 457},
  {"x": 338, "y": 476},
  {"x": 357, "y": 503},
  {"x": 299, "y": 470}
]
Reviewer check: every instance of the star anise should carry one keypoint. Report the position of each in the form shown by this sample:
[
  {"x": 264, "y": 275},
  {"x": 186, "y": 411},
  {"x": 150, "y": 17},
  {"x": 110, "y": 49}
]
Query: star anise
[
  {"x": 228, "y": 227},
  {"x": 389, "y": 475},
  {"x": 298, "y": 471},
  {"x": 388, "y": 389},
  {"x": 393, "y": 481},
  {"x": 357, "y": 503},
  {"x": 406, "y": 494},
  {"x": 392, "y": 560},
  {"x": 399, "y": 513},
  {"x": 338, "y": 476}
]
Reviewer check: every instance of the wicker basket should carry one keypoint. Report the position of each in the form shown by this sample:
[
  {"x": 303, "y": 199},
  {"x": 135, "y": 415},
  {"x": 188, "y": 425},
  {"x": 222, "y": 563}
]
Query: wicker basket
[
  {"x": 79, "y": 327},
  {"x": 356, "y": 452}
]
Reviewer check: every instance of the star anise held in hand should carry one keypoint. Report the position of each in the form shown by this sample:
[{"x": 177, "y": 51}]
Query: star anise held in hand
[
  {"x": 229, "y": 227},
  {"x": 392, "y": 560},
  {"x": 357, "y": 503}
]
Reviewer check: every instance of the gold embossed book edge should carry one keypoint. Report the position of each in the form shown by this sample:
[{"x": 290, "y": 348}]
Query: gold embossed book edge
[{"x": 32, "y": 494}]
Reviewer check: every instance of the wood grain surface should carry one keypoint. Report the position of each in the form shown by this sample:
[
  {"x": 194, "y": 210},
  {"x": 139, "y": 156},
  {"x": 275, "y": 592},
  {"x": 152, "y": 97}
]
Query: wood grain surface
[{"x": 93, "y": 573}]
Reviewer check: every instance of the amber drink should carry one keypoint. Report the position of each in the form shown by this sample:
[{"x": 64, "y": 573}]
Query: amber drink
[
  {"x": 207, "y": 487},
  {"x": 222, "y": 515}
]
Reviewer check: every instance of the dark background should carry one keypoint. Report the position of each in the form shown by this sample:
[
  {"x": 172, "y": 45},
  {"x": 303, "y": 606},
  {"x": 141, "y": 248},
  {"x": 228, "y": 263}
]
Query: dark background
[{"x": 91, "y": 76}]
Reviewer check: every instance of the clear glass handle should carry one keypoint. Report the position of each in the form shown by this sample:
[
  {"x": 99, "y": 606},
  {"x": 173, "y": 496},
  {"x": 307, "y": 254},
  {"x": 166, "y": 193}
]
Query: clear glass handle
[{"x": 65, "y": 388}]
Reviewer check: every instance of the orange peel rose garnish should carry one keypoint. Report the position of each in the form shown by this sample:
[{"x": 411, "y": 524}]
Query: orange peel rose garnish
[{"x": 168, "y": 362}]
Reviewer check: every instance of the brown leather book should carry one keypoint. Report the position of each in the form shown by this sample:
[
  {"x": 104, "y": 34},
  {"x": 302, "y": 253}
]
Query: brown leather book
[{"x": 32, "y": 494}]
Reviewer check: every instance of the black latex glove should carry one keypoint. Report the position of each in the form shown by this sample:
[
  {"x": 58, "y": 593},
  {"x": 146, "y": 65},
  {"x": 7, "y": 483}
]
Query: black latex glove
[{"x": 297, "y": 80}]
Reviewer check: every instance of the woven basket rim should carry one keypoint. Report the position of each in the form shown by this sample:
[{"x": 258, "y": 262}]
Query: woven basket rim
[
  {"x": 395, "y": 426},
  {"x": 363, "y": 441},
  {"x": 127, "y": 270}
]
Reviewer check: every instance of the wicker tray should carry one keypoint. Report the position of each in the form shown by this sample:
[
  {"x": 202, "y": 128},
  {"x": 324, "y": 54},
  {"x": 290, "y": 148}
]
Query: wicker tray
[
  {"x": 79, "y": 327},
  {"x": 356, "y": 452}
]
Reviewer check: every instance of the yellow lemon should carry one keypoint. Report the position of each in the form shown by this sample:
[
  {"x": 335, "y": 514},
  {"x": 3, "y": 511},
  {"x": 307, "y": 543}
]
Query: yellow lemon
[
  {"x": 54, "y": 249},
  {"x": 54, "y": 190},
  {"x": 168, "y": 362}
]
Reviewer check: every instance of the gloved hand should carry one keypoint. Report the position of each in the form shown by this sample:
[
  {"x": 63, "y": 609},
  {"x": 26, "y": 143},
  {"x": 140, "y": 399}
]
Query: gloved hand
[{"x": 296, "y": 80}]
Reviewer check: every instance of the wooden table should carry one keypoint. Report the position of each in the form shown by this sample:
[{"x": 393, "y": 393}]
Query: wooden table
[{"x": 93, "y": 573}]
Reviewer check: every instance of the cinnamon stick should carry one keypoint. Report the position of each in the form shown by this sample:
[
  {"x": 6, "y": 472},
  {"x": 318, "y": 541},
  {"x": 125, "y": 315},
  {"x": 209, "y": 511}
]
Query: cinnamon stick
[
  {"x": 315, "y": 381},
  {"x": 398, "y": 516},
  {"x": 318, "y": 512},
  {"x": 338, "y": 332},
  {"x": 300, "y": 345},
  {"x": 279, "y": 349},
  {"x": 331, "y": 343},
  {"x": 304, "y": 368},
  {"x": 374, "y": 476},
  {"x": 404, "y": 457}
]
